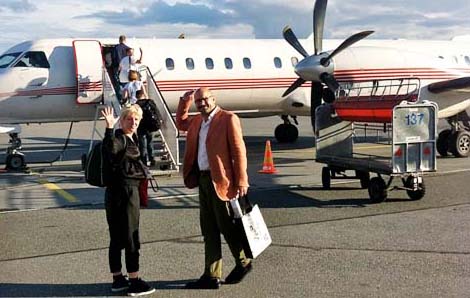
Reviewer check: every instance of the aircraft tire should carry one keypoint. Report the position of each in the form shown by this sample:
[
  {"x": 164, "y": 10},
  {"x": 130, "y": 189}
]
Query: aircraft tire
[
  {"x": 442, "y": 144},
  {"x": 377, "y": 190},
  {"x": 415, "y": 195},
  {"x": 326, "y": 178},
  {"x": 364, "y": 178},
  {"x": 83, "y": 161},
  {"x": 286, "y": 133},
  {"x": 460, "y": 143},
  {"x": 15, "y": 162},
  {"x": 293, "y": 133}
]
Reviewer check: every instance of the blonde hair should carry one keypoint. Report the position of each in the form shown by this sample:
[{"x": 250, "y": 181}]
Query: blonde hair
[
  {"x": 133, "y": 110},
  {"x": 133, "y": 76}
]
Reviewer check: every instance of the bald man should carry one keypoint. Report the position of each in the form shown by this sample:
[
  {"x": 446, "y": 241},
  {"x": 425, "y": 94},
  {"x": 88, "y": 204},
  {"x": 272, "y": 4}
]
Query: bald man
[{"x": 215, "y": 161}]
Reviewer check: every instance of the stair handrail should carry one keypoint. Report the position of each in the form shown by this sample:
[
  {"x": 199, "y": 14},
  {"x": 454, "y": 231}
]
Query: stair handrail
[{"x": 169, "y": 132}]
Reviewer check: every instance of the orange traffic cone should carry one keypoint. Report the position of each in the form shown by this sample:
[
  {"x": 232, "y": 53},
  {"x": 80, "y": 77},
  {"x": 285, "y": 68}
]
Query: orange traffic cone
[{"x": 268, "y": 164}]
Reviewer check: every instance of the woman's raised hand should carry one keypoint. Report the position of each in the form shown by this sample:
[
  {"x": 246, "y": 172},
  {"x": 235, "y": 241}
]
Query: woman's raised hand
[{"x": 108, "y": 115}]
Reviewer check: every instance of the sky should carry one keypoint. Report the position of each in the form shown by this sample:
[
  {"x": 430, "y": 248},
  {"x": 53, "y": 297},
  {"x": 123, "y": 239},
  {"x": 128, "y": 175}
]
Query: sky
[{"x": 410, "y": 19}]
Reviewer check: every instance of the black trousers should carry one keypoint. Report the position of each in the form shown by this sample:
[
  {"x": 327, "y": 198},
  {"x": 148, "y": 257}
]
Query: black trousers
[
  {"x": 146, "y": 146},
  {"x": 122, "y": 213}
]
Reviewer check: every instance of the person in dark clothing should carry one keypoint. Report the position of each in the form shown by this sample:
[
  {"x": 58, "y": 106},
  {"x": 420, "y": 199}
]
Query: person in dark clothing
[
  {"x": 145, "y": 135},
  {"x": 120, "y": 50},
  {"x": 122, "y": 202}
]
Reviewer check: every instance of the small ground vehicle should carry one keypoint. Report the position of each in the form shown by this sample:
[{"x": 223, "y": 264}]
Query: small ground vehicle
[{"x": 412, "y": 151}]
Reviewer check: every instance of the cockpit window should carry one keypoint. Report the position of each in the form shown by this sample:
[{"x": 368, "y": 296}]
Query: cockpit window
[
  {"x": 33, "y": 59},
  {"x": 7, "y": 59}
]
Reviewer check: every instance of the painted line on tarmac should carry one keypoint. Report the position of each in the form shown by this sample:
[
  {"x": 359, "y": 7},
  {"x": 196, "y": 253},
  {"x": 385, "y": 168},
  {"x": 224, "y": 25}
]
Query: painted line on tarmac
[{"x": 54, "y": 187}]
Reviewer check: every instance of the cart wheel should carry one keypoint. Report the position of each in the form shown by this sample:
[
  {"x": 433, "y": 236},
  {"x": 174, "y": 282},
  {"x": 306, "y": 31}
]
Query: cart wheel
[
  {"x": 364, "y": 178},
  {"x": 326, "y": 178},
  {"x": 415, "y": 194},
  {"x": 377, "y": 190},
  {"x": 460, "y": 143}
]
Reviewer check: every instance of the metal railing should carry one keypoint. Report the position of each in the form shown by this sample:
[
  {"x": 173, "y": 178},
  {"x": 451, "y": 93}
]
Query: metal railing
[{"x": 168, "y": 131}]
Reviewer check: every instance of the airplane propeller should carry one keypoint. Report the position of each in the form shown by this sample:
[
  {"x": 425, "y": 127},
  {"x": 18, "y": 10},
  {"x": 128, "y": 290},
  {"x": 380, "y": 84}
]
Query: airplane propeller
[{"x": 319, "y": 67}]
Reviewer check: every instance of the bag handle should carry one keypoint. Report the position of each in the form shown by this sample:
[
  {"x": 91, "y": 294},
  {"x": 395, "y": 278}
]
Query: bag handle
[
  {"x": 155, "y": 187},
  {"x": 241, "y": 206}
]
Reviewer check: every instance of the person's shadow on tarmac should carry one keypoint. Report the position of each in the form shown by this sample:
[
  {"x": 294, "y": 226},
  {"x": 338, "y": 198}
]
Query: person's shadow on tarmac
[{"x": 76, "y": 290}]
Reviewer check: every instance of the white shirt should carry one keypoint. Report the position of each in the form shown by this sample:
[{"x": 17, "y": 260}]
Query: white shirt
[
  {"x": 202, "y": 158},
  {"x": 132, "y": 88},
  {"x": 125, "y": 67}
]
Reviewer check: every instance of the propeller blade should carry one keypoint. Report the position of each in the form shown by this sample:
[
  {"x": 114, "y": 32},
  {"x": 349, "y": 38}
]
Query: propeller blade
[
  {"x": 294, "y": 86},
  {"x": 348, "y": 42},
  {"x": 330, "y": 81},
  {"x": 319, "y": 12},
  {"x": 290, "y": 37},
  {"x": 315, "y": 100}
]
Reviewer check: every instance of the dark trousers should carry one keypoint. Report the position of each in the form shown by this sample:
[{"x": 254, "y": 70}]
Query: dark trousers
[
  {"x": 215, "y": 218},
  {"x": 146, "y": 146},
  {"x": 122, "y": 213}
]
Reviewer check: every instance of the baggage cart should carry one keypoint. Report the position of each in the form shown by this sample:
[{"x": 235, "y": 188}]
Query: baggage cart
[{"x": 411, "y": 154}]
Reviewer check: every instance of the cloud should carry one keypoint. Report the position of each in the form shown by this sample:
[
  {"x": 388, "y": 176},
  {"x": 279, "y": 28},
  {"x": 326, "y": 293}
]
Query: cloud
[
  {"x": 17, "y": 6},
  {"x": 266, "y": 18},
  {"x": 412, "y": 19}
]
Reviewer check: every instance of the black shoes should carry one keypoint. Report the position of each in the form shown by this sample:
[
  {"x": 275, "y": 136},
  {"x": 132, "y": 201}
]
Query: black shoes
[
  {"x": 204, "y": 282},
  {"x": 120, "y": 283},
  {"x": 138, "y": 287},
  {"x": 238, "y": 273}
]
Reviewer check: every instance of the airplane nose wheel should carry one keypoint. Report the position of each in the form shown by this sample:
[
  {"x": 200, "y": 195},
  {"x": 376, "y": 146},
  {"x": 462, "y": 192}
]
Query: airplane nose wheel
[
  {"x": 15, "y": 159},
  {"x": 15, "y": 162}
]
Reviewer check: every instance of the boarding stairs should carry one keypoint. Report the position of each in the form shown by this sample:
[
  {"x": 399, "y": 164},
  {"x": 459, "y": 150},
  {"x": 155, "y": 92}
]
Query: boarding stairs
[{"x": 165, "y": 140}]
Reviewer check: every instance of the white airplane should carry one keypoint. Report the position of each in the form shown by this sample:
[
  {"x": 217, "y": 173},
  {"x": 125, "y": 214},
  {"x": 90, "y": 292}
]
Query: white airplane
[{"x": 60, "y": 80}]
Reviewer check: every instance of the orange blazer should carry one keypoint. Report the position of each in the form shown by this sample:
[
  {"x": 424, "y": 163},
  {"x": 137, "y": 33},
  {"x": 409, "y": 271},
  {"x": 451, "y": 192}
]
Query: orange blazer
[{"x": 225, "y": 149}]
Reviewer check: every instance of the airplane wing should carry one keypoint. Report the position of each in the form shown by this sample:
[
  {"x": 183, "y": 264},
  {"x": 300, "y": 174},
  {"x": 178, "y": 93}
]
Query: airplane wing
[{"x": 455, "y": 85}]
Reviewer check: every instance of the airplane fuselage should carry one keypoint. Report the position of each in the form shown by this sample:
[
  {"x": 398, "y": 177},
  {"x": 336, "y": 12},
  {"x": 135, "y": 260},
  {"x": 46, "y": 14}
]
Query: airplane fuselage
[{"x": 247, "y": 76}]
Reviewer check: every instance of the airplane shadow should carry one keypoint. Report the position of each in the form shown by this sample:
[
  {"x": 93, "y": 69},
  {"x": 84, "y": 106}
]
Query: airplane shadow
[{"x": 76, "y": 290}]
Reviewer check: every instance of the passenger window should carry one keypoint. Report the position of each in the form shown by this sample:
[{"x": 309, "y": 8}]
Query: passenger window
[
  {"x": 33, "y": 59},
  {"x": 189, "y": 63},
  {"x": 6, "y": 59},
  {"x": 228, "y": 63},
  {"x": 209, "y": 63},
  {"x": 294, "y": 61},
  {"x": 247, "y": 63},
  {"x": 467, "y": 60},
  {"x": 277, "y": 62},
  {"x": 170, "y": 64}
]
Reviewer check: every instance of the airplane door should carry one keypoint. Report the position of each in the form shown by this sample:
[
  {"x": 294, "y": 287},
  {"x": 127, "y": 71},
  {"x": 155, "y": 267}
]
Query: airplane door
[{"x": 89, "y": 71}]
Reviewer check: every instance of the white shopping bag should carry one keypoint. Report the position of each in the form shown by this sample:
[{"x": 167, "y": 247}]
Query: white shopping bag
[{"x": 256, "y": 231}]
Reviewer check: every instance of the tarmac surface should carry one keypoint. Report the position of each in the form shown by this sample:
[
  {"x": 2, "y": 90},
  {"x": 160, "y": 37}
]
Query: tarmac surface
[{"x": 331, "y": 243}]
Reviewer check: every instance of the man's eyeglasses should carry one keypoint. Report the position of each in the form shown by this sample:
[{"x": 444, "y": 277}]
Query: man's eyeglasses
[{"x": 203, "y": 98}]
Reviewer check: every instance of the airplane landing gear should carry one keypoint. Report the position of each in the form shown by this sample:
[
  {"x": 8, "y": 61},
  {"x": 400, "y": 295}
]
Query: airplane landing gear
[
  {"x": 287, "y": 132},
  {"x": 455, "y": 141},
  {"x": 15, "y": 159}
]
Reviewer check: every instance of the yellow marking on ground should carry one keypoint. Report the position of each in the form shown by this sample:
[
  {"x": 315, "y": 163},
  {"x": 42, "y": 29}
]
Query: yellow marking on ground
[{"x": 54, "y": 187}]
